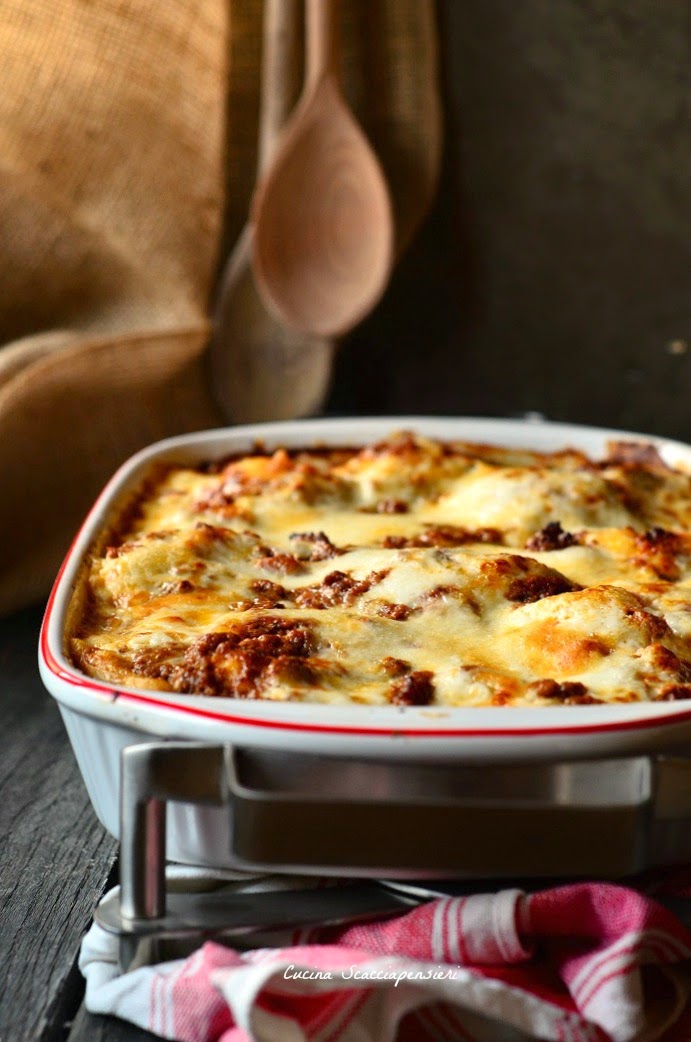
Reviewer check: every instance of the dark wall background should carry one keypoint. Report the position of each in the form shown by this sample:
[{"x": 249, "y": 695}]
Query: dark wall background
[{"x": 554, "y": 273}]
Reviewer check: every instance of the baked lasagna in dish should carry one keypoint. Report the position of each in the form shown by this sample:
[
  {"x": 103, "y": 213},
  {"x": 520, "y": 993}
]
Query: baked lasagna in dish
[{"x": 411, "y": 572}]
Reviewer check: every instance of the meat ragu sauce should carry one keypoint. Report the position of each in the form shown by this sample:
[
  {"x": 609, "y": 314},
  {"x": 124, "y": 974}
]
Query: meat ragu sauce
[{"x": 410, "y": 572}]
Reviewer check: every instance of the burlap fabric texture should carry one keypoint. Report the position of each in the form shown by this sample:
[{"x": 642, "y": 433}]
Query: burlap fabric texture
[{"x": 127, "y": 161}]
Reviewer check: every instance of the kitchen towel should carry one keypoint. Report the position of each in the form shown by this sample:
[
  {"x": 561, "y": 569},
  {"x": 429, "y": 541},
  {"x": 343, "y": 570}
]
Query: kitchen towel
[
  {"x": 128, "y": 153},
  {"x": 579, "y": 963}
]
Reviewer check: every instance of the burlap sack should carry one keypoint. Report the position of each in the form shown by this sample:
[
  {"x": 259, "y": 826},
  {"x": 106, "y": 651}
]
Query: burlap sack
[{"x": 127, "y": 161}]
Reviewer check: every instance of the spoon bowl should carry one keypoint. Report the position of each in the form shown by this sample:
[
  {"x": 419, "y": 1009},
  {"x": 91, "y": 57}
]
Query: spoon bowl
[{"x": 262, "y": 369}]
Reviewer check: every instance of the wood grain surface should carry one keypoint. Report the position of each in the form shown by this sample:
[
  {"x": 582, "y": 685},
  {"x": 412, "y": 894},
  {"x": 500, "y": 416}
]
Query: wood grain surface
[
  {"x": 88, "y": 1028},
  {"x": 55, "y": 858}
]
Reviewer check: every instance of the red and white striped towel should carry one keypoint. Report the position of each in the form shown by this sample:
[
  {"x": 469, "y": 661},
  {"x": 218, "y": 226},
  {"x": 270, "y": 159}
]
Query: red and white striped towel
[{"x": 580, "y": 963}]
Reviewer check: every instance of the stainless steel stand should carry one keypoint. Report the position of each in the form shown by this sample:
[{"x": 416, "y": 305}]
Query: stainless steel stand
[{"x": 324, "y": 815}]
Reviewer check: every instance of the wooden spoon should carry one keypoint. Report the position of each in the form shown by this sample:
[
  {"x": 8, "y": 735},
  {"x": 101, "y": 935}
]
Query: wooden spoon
[
  {"x": 260, "y": 369},
  {"x": 322, "y": 215}
]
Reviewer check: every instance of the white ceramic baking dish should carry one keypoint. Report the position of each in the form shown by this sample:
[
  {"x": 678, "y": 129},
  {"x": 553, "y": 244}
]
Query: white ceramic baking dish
[{"x": 102, "y": 719}]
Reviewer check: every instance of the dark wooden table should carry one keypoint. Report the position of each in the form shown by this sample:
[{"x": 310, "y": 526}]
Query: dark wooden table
[{"x": 55, "y": 860}]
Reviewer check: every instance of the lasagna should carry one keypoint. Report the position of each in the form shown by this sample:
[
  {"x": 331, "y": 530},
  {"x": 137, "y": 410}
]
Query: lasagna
[{"x": 410, "y": 572}]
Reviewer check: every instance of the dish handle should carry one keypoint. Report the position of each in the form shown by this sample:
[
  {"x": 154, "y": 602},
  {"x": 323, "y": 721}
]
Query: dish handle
[{"x": 326, "y": 815}]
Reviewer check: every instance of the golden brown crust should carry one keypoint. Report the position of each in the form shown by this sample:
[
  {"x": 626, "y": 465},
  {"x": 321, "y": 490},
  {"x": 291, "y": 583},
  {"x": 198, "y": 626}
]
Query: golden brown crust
[{"x": 408, "y": 572}]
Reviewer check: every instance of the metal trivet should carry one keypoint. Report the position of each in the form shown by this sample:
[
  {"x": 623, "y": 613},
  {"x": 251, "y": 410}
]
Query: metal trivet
[{"x": 328, "y": 815}]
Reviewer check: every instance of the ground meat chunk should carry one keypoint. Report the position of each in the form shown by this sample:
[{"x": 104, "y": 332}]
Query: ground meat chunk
[
  {"x": 416, "y": 689},
  {"x": 529, "y": 588},
  {"x": 320, "y": 547},
  {"x": 551, "y": 537},
  {"x": 284, "y": 564},
  {"x": 443, "y": 536},
  {"x": 658, "y": 549},
  {"x": 239, "y": 663},
  {"x": 394, "y": 667},
  {"x": 266, "y": 633},
  {"x": 337, "y": 588},
  {"x": 441, "y": 593},
  {"x": 664, "y": 660},
  {"x": 657, "y": 537},
  {"x": 651, "y": 625},
  {"x": 392, "y": 506},
  {"x": 397, "y": 612},
  {"x": 568, "y": 692},
  {"x": 269, "y": 594},
  {"x": 674, "y": 693}
]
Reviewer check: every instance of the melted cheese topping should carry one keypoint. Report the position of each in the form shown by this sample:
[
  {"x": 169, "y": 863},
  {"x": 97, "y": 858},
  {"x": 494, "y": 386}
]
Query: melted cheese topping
[{"x": 411, "y": 572}]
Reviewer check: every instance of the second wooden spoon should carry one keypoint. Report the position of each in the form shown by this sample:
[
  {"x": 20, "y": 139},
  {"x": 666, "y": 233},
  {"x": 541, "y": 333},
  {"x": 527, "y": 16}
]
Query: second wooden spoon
[{"x": 260, "y": 368}]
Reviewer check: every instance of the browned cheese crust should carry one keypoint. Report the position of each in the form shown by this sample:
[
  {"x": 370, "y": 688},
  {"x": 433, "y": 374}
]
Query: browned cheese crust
[{"x": 411, "y": 572}]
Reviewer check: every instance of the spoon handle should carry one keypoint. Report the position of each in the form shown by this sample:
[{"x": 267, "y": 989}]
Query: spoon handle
[
  {"x": 281, "y": 73},
  {"x": 321, "y": 17}
]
